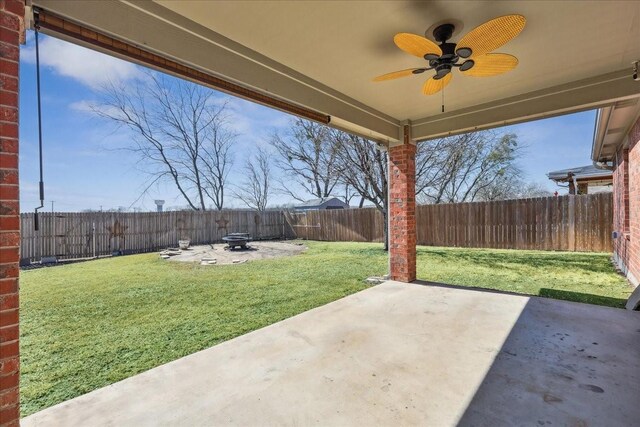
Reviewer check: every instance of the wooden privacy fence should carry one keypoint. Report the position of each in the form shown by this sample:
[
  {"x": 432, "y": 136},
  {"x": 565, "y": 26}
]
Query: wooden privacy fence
[
  {"x": 338, "y": 225},
  {"x": 566, "y": 223},
  {"x": 72, "y": 235}
]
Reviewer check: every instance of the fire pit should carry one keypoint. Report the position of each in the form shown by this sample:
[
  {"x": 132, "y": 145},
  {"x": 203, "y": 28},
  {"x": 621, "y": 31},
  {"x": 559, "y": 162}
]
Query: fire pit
[{"x": 237, "y": 240}]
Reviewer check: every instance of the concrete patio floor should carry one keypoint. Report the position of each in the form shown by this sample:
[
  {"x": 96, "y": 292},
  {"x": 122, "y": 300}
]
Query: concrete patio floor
[{"x": 394, "y": 354}]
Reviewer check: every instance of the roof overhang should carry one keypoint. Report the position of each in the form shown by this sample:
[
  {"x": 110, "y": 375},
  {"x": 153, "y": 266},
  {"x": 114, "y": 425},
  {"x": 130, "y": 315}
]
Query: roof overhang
[
  {"x": 612, "y": 127},
  {"x": 321, "y": 56}
]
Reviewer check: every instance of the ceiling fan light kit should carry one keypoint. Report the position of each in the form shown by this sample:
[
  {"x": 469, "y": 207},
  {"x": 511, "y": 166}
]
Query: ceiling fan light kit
[{"x": 471, "y": 55}]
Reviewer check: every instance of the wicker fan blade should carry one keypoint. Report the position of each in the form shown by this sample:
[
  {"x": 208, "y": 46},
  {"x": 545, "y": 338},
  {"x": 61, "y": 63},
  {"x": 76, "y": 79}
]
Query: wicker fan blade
[
  {"x": 416, "y": 45},
  {"x": 398, "y": 74},
  {"x": 491, "y": 64},
  {"x": 492, "y": 34},
  {"x": 432, "y": 85}
]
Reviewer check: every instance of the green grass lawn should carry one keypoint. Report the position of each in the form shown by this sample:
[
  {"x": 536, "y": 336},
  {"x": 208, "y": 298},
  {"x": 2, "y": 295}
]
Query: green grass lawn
[{"x": 87, "y": 325}]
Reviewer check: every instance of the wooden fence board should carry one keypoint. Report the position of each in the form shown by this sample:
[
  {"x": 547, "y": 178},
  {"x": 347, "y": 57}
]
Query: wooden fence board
[
  {"x": 565, "y": 223},
  {"x": 70, "y": 235},
  {"x": 573, "y": 223}
]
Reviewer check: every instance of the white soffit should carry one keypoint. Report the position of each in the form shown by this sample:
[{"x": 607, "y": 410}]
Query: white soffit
[{"x": 344, "y": 44}]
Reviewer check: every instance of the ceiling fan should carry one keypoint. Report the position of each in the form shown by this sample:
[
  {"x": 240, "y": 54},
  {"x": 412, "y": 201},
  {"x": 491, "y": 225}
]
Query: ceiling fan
[{"x": 471, "y": 55}]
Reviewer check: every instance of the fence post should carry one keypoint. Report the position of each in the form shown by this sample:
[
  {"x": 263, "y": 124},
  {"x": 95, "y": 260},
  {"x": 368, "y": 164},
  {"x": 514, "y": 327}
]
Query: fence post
[{"x": 572, "y": 223}]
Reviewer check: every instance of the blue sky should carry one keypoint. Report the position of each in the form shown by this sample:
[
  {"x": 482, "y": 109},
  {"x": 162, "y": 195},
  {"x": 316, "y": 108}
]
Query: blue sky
[{"x": 84, "y": 169}]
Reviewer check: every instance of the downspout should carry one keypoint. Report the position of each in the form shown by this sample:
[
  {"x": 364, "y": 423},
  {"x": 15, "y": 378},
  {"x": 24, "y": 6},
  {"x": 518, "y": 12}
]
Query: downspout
[{"x": 571, "y": 179}]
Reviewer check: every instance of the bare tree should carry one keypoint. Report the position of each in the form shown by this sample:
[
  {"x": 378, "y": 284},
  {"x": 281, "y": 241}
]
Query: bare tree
[
  {"x": 217, "y": 161},
  {"x": 533, "y": 189},
  {"x": 452, "y": 169},
  {"x": 348, "y": 194},
  {"x": 306, "y": 153},
  {"x": 429, "y": 158},
  {"x": 363, "y": 167},
  {"x": 256, "y": 188},
  {"x": 511, "y": 185},
  {"x": 465, "y": 165},
  {"x": 180, "y": 132}
]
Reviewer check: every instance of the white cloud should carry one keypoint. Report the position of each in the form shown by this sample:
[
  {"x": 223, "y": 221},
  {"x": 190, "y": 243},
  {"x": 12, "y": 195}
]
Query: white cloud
[
  {"x": 93, "y": 107},
  {"x": 83, "y": 106},
  {"x": 91, "y": 68},
  {"x": 254, "y": 123}
]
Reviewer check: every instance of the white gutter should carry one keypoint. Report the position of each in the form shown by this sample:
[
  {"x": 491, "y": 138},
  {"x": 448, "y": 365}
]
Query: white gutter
[{"x": 603, "y": 117}]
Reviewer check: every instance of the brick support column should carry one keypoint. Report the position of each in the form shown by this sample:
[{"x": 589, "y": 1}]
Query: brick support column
[
  {"x": 11, "y": 34},
  {"x": 402, "y": 210}
]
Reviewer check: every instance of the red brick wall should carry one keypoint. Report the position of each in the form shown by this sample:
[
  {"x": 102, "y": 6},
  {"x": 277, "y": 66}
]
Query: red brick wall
[
  {"x": 11, "y": 27},
  {"x": 634, "y": 201},
  {"x": 402, "y": 212},
  {"x": 621, "y": 202},
  {"x": 626, "y": 206}
]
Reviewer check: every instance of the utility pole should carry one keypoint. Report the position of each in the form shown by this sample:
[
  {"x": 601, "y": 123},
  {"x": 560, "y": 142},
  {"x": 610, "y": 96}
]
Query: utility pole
[{"x": 53, "y": 222}]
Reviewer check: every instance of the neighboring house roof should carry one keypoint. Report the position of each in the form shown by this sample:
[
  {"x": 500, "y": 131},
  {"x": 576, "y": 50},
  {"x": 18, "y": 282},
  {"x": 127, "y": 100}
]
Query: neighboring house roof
[
  {"x": 312, "y": 202},
  {"x": 580, "y": 173},
  {"x": 320, "y": 203}
]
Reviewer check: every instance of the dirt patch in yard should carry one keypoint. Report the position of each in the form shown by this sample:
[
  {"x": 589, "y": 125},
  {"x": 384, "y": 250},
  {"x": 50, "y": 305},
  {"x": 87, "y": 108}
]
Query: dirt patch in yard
[{"x": 218, "y": 254}]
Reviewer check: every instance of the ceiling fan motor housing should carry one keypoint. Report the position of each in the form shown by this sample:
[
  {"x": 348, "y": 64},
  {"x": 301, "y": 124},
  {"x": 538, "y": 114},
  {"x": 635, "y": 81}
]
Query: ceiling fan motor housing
[{"x": 449, "y": 58}]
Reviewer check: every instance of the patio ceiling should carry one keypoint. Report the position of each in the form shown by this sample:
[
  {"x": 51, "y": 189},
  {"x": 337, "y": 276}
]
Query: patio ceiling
[{"x": 322, "y": 55}]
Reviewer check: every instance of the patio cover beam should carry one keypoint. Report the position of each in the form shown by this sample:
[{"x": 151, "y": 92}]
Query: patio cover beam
[
  {"x": 577, "y": 96},
  {"x": 157, "y": 30},
  {"x": 65, "y": 29}
]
